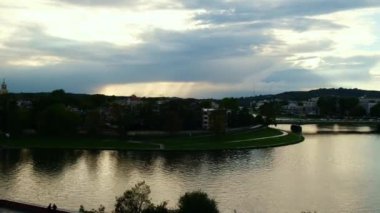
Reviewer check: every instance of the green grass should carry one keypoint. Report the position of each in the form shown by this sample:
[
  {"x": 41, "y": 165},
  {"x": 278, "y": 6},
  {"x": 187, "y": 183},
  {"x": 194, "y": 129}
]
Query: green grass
[
  {"x": 238, "y": 140},
  {"x": 241, "y": 140}
]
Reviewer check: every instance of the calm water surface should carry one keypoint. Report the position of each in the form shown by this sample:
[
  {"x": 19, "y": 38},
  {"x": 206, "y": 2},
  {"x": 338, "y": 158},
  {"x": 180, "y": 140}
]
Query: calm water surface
[{"x": 326, "y": 173}]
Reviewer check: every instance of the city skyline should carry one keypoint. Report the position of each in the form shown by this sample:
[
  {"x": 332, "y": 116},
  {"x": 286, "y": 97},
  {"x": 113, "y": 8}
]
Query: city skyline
[{"x": 189, "y": 48}]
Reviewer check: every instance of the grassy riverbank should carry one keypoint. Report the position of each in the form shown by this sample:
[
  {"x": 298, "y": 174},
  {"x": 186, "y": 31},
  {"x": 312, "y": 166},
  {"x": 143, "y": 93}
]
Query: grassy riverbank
[{"x": 267, "y": 137}]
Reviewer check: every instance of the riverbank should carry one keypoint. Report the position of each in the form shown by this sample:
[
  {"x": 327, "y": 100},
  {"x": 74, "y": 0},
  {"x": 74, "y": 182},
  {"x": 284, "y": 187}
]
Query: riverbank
[
  {"x": 248, "y": 139},
  {"x": 14, "y": 206}
]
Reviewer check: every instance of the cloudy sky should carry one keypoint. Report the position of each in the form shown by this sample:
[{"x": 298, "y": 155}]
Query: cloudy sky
[{"x": 189, "y": 48}]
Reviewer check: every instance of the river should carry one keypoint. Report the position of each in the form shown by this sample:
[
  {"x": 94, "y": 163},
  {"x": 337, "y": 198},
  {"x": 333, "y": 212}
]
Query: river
[{"x": 337, "y": 170}]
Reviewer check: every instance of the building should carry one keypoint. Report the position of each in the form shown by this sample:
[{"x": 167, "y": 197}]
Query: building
[
  {"x": 3, "y": 89},
  {"x": 131, "y": 101},
  {"x": 309, "y": 107},
  {"x": 214, "y": 119},
  {"x": 206, "y": 117},
  {"x": 24, "y": 104}
]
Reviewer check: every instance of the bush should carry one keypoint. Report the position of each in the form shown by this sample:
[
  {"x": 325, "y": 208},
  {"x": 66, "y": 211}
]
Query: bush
[{"x": 197, "y": 201}]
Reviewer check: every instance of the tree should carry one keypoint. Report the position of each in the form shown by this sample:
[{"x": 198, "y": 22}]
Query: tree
[
  {"x": 230, "y": 103},
  {"x": 161, "y": 208},
  {"x": 375, "y": 110},
  {"x": 135, "y": 200},
  {"x": 57, "y": 120},
  {"x": 218, "y": 121},
  {"x": 197, "y": 201},
  {"x": 358, "y": 111},
  {"x": 349, "y": 105},
  {"x": 270, "y": 112},
  {"x": 92, "y": 122},
  {"x": 101, "y": 209},
  {"x": 327, "y": 105}
]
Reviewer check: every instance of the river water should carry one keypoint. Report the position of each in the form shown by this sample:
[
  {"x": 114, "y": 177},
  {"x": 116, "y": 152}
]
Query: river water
[{"x": 337, "y": 172}]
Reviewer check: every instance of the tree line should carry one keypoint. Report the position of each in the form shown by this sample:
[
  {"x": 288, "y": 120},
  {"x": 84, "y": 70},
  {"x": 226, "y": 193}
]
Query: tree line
[
  {"x": 344, "y": 107},
  {"x": 137, "y": 200},
  {"x": 63, "y": 114}
]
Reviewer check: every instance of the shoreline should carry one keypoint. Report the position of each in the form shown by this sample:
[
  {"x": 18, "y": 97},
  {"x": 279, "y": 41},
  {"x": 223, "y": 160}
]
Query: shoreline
[{"x": 251, "y": 139}]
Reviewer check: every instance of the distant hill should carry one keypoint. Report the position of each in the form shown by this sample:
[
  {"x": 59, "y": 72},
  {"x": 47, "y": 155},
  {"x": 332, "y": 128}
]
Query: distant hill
[
  {"x": 341, "y": 92},
  {"x": 245, "y": 101},
  {"x": 305, "y": 95}
]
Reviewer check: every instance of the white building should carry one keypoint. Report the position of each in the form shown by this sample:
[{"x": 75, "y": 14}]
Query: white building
[{"x": 309, "y": 107}]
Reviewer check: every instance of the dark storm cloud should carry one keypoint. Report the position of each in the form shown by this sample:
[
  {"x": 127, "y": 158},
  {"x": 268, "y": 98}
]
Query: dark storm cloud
[
  {"x": 244, "y": 11},
  {"x": 165, "y": 56},
  {"x": 295, "y": 75},
  {"x": 293, "y": 79},
  {"x": 229, "y": 52}
]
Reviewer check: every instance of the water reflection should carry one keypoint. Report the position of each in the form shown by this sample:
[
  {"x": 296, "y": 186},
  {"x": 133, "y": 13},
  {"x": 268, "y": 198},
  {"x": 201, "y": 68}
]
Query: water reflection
[
  {"x": 329, "y": 172},
  {"x": 52, "y": 162},
  {"x": 331, "y": 128}
]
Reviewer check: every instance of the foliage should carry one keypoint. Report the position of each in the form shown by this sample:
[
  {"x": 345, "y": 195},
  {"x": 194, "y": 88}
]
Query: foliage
[
  {"x": 349, "y": 106},
  {"x": 240, "y": 118},
  {"x": 230, "y": 104},
  {"x": 375, "y": 110},
  {"x": 135, "y": 200},
  {"x": 340, "y": 106},
  {"x": 57, "y": 120},
  {"x": 93, "y": 122},
  {"x": 9, "y": 116},
  {"x": 269, "y": 111},
  {"x": 327, "y": 105},
  {"x": 218, "y": 121},
  {"x": 101, "y": 209},
  {"x": 161, "y": 208},
  {"x": 357, "y": 111},
  {"x": 197, "y": 201}
]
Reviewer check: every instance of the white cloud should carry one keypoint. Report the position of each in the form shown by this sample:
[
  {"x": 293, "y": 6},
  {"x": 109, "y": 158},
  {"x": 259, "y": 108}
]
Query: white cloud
[
  {"x": 375, "y": 71},
  {"x": 122, "y": 26},
  {"x": 189, "y": 48},
  {"x": 36, "y": 61}
]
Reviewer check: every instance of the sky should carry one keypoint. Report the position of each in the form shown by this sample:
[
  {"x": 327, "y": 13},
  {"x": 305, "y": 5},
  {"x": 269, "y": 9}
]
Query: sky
[{"x": 189, "y": 48}]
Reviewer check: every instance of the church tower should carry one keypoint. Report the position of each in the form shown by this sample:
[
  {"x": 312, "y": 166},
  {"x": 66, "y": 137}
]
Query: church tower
[{"x": 3, "y": 89}]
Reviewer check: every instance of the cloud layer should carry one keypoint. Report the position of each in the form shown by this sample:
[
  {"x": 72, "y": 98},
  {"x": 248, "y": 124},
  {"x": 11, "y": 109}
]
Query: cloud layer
[{"x": 189, "y": 48}]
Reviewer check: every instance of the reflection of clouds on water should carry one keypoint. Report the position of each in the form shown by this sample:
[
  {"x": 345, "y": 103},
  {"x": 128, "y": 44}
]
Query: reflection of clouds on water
[
  {"x": 331, "y": 128},
  {"x": 324, "y": 173}
]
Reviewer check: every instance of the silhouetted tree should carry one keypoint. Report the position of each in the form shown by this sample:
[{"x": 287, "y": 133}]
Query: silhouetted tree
[
  {"x": 375, "y": 110},
  {"x": 348, "y": 105},
  {"x": 101, "y": 209},
  {"x": 218, "y": 121},
  {"x": 269, "y": 111},
  {"x": 197, "y": 201},
  {"x": 230, "y": 103},
  {"x": 357, "y": 111},
  {"x": 92, "y": 122},
  {"x": 57, "y": 120},
  {"x": 135, "y": 200},
  {"x": 327, "y": 105}
]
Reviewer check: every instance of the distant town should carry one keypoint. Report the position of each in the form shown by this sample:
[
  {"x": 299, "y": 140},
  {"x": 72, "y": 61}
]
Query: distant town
[{"x": 65, "y": 114}]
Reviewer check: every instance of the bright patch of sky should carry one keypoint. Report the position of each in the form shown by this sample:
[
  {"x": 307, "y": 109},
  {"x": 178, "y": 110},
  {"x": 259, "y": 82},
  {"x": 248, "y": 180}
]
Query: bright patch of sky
[{"x": 189, "y": 48}]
